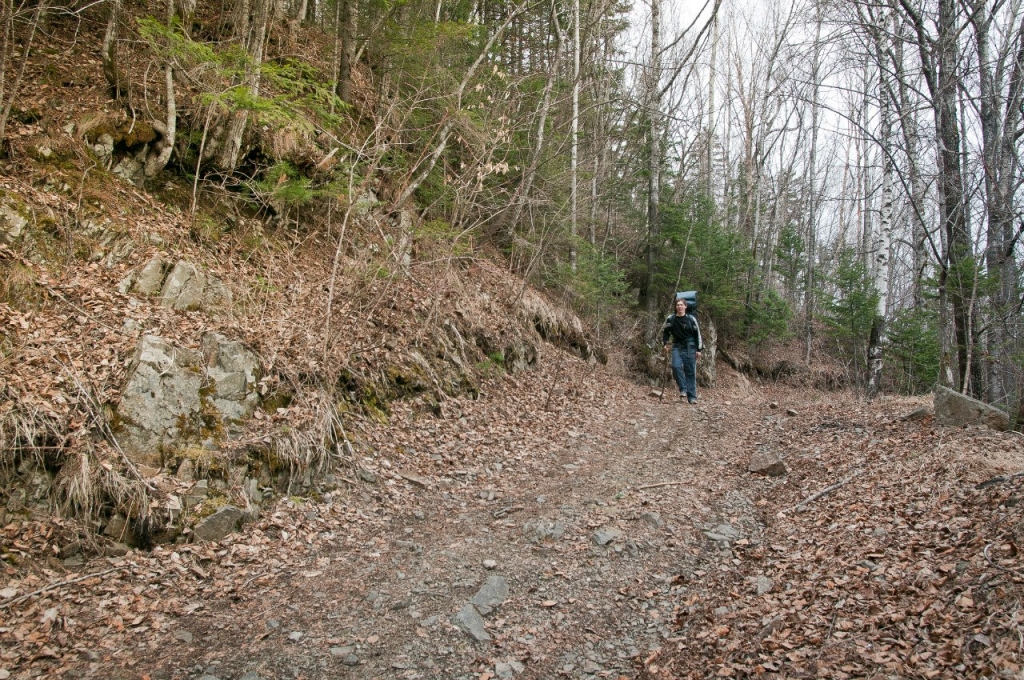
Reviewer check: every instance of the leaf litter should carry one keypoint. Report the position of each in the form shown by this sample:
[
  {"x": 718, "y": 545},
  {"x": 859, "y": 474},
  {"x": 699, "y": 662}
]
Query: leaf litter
[{"x": 911, "y": 568}]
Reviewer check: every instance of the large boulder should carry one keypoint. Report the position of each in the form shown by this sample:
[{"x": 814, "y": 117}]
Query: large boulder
[
  {"x": 161, "y": 397},
  {"x": 175, "y": 395},
  {"x": 957, "y": 410}
]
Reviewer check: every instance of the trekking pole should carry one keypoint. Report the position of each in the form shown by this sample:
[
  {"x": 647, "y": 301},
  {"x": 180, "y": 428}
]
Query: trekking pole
[{"x": 664, "y": 377}]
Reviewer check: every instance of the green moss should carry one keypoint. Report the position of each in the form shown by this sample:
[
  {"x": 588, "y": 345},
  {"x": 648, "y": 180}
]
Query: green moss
[
  {"x": 407, "y": 381},
  {"x": 276, "y": 400},
  {"x": 206, "y": 230},
  {"x": 210, "y": 505}
]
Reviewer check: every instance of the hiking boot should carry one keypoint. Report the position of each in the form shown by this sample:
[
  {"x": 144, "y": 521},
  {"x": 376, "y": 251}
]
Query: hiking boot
[{"x": 692, "y": 400}]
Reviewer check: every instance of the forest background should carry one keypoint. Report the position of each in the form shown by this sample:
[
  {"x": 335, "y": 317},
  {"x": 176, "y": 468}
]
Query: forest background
[
  {"x": 851, "y": 163},
  {"x": 839, "y": 175}
]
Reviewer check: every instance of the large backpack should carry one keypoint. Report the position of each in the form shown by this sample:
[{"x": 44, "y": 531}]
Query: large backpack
[{"x": 691, "y": 300}]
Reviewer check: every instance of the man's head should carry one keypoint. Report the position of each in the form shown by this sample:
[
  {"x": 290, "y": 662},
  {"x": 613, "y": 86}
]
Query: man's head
[{"x": 680, "y": 306}]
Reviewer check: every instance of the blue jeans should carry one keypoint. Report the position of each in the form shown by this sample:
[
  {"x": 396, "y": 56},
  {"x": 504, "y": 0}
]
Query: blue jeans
[{"x": 684, "y": 369}]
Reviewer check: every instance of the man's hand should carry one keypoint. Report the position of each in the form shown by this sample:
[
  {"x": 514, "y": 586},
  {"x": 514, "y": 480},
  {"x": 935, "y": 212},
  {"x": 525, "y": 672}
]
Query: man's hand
[{"x": 668, "y": 347}]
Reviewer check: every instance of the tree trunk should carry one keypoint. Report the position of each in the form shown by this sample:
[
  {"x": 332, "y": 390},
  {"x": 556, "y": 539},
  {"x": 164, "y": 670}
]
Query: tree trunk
[
  {"x": 883, "y": 240},
  {"x": 111, "y": 70},
  {"x": 8, "y": 95},
  {"x": 653, "y": 105},
  {"x": 812, "y": 197},
  {"x": 158, "y": 157},
  {"x": 230, "y": 152},
  {"x": 574, "y": 133},
  {"x": 347, "y": 30}
]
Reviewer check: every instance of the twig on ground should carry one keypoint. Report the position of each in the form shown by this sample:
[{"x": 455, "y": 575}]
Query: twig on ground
[
  {"x": 654, "y": 486},
  {"x": 824, "y": 492},
  {"x": 59, "y": 584},
  {"x": 997, "y": 566},
  {"x": 999, "y": 479}
]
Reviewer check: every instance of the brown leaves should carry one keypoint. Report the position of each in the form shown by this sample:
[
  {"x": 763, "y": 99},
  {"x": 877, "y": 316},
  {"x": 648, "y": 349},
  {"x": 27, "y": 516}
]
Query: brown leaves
[{"x": 909, "y": 564}]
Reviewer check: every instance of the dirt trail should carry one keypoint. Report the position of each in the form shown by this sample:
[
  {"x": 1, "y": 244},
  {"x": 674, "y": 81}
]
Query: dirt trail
[
  {"x": 590, "y": 558},
  {"x": 605, "y": 578}
]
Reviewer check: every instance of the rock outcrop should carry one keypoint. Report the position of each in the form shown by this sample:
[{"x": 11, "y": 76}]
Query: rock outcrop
[
  {"x": 183, "y": 287},
  {"x": 175, "y": 394}
]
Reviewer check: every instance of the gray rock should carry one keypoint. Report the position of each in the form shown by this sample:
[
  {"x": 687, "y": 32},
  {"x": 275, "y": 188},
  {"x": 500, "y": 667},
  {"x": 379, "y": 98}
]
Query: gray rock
[
  {"x": 198, "y": 493},
  {"x": 132, "y": 168},
  {"x": 520, "y": 356},
  {"x": 184, "y": 288},
  {"x": 115, "y": 550},
  {"x": 544, "y": 530},
  {"x": 186, "y": 471},
  {"x": 342, "y": 651},
  {"x": 365, "y": 202},
  {"x": 296, "y": 636},
  {"x": 117, "y": 528},
  {"x": 161, "y": 395},
  {"x": 208, "y": 676},
  {"x": 251, "y": 676},
  {"x": 729, "y": 531},
  {"x": 217, "y": 295},
  {"x": 470, "y": 622},
  {"x": 766, "y": 463},
  {"x": 74, "y": 561},
  {"x": 125, "y": 284},
  {"x": 104, "y": 147},
  {"x": 150, "y": 279},
  {"x": 233, "y": 370},
  {"x": 606, "y": 535},
  {"x": 183, "y": 635},
  {"x": 957, "y": 410},
  {"x": 366, "y": 476},
  {"x": 772, "y": 626},
  {"x": 918, "y": 414},
  {"x": 492, "y": 594},
  {"x": 12, "y": 222},
  {"x": 416, "y": 479},
  {"x": 764, "y": 585},
  {"x": 219, "y": 524},
  {"x": 723, "y": 533},
  {"x": 351, "y": 660},
  {"x": 490, "y": 564},
  {"x": 161, "y": 404},
  {"x": 503, "y": 670},
  {"x": 653, "y": 519}
]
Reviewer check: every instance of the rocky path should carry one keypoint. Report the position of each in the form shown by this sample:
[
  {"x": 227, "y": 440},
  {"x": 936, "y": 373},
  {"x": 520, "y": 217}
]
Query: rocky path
[
  {"x": 574, "y": 526},
  {"x": 554, "y": 555}
]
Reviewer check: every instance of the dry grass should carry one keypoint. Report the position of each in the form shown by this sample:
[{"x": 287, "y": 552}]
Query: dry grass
[
  {"x": 319, "y": 446},
  {"x": 25, "y": 431},
  {"x": 75, "y": 486}
]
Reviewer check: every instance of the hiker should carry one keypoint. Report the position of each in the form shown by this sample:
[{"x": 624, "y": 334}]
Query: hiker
[{"x": 686, "y": 346}]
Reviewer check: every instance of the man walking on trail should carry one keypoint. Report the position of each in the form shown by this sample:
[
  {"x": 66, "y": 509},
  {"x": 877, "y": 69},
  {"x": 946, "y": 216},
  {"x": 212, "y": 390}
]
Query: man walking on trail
[{"x": 686, "y": 346}]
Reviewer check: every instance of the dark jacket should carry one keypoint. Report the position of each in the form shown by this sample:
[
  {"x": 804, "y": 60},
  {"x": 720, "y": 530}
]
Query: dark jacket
[{"x": 683, "y": 330}]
